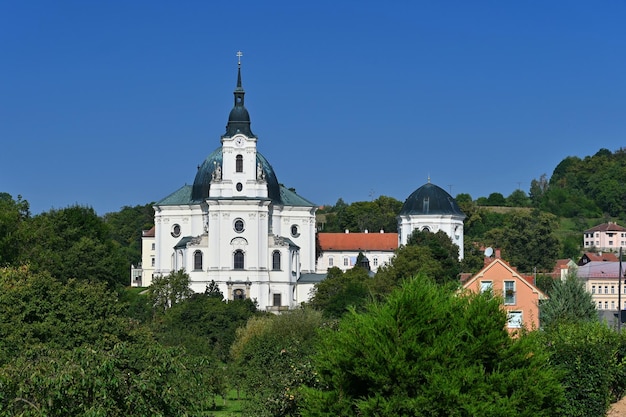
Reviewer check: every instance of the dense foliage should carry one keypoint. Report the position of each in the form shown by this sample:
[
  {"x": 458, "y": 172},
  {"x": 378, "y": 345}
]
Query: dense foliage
[{"x": 428, "y": 351}]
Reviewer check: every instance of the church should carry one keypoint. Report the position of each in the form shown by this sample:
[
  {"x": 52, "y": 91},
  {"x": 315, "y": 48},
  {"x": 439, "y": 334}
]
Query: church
[
  {"x": 236, "y": 225},
  {"x": 239, "y": 227}
]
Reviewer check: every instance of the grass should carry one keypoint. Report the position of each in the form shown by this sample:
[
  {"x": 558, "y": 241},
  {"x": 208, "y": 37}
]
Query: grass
[{"x": 227, "y": 407}]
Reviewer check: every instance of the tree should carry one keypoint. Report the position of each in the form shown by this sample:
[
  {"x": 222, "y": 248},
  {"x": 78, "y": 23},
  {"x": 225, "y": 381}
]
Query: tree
[
  {"x": 426, "y": 351},
  {"x": 12, "y": 214},
  {"x": 518, "y": 198},
  {"x": 72, "y": 243},
  {"x": 166, "y": 291},
  {"x": 528, "y": 240},
  {"x": 272, "y": 359},
  {"x": 590, "y": 358},
  {"x": 569, "y": 303},
  {"x": 442, "y": 249},
  {"x": 125, "y": 229},
  {"x": 339, "y": 291}
]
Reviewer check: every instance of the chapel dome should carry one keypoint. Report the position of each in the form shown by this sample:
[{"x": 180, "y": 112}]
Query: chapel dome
[
  {"x": 430, "y": 199},
  {"x": 202, "y": 182}
]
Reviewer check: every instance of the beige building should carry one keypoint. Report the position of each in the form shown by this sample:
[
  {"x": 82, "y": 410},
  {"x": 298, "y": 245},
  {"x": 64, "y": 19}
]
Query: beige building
[
  {"x": 605, "y": 237},
  {"x": 601, "y": 280}
]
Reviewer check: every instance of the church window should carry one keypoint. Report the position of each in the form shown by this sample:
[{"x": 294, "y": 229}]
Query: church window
[
  {"x": 277, "y": 300},
  {"x": 426, "y": 205},
  {"x": 294, "y": 231},
  {"x": 239, "y": 294},
  {"x": 239, "y": 186},
  {"x": 239, "y": 225},
  {"x": 276, "y": 260},
  {"x": 238, "y": 259},
  {"x": 197, "y": 260},
  {"x": 176, "y": 230},
  {"x": 239, "y": 163}
]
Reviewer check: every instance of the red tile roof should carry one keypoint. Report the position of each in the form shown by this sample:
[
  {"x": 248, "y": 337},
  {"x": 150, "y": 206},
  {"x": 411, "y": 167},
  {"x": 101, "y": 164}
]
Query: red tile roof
[
  {"x": 607, "y": 227},
  {"x": 148, "y": 233},
  {"x": 358, "y": 241},
  {"x": 601, "y": 257}
]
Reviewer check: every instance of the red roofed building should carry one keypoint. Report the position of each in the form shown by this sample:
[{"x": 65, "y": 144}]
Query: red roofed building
[
  {"x": 597, "y": 257},
  {"x": 341, "y": 249},
  {"x": 605, "y": 237}
]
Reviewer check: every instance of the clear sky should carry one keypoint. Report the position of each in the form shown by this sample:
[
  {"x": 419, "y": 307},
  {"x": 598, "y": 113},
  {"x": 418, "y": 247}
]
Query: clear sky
[{"x": 115, "y": 103}]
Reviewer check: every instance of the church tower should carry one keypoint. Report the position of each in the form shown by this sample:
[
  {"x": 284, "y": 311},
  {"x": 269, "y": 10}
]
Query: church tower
[{"x": 237, "y": 225}]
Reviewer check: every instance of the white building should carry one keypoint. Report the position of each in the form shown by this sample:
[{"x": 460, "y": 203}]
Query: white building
[
  {"x": 341, "y": 250},
  {"x": 432, "y": 209},
  {"x": 236, "y": 225},
  {"x": 605, "y": 237}
]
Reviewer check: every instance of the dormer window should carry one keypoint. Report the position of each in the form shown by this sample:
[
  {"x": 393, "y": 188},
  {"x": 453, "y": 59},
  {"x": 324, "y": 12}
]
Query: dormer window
[{"x": 239, "y": 163}]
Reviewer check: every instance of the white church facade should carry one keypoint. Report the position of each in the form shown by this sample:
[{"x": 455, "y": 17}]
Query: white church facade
[
  {"x": 239, "y": 227},
  {"x": 236, "y": 225}
]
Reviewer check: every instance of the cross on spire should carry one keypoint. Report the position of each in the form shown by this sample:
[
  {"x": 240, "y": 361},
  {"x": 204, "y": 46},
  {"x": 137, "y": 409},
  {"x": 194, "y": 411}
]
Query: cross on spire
[{"x": 239, "y": 55}]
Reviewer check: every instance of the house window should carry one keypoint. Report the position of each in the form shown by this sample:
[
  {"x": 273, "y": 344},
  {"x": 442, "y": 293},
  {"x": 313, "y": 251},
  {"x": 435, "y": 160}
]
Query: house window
[
  {"x": 612, "y": 305},
  {"x": 515, "y": 319},
  {"x": 610, "y": 243},
  {"x": 606, "y": 305},
  {"x": 599, "y": 305},
  {"x": 331, "y": 262},
  {"x": 276, "y": 261},
  {"x": 153, "y": 262},
  {"x": 509, "y": 292},
  {"x": 612, "y": 289},
  {"x": 486, "y": 286},
  {"x": 197, "y": 260},
  {"x": 606, "y": 289},
  {"x": 277, "y": 300},
  {"x": 238, "y": 259},
  {"x": 239, "y": 163},
  {"x": 593, "y": 289},
  {"x": 153, "y": 246},
  {"x": 375, "y": 261},
  {"x": 346, "y": 261}
]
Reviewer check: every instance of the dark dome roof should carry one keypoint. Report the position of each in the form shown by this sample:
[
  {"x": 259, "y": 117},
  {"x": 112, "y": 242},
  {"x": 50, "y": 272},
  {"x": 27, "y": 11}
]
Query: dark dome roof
[
  {"x": 202, "y": 182},
  {"x": 430, "y": 199}
]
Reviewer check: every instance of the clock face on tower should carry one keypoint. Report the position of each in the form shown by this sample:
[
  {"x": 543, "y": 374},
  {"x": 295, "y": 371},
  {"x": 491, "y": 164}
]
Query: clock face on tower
[{"x": 239, "y": 141}]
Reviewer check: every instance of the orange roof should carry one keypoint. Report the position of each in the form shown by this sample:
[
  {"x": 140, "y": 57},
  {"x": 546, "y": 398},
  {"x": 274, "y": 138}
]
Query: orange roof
[
  {"x": 358, "y": 241},
  {"x": 598, "y": 257},
  {"x": 148, "y": 233}
]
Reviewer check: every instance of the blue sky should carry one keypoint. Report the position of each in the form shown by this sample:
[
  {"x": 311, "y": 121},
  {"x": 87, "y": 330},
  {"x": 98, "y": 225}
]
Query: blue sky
[{"x": 115, "y": 103}]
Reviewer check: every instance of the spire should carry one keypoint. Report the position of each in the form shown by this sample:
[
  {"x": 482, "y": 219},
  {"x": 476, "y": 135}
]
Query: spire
[{"x": 239, "y": 119}]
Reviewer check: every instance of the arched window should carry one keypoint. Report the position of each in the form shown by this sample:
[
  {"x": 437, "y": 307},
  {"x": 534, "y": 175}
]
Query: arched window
[
  {"x": 197, "y": 260},
  {"x": 276, "y": 260},
  {"x": 238, "y": 259},
  {"x": 239, "y": 163},
  {"x": 239, "y": 294}
]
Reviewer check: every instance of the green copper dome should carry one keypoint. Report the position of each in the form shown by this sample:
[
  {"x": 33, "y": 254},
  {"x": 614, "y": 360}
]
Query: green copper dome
[{"x": 430, "y": 199}]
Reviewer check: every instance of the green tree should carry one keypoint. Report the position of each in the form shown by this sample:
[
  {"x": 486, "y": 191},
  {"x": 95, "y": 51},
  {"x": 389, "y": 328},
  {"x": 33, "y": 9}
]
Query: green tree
[
  {"x": 528, "y": 240},
  {"x": 518, "y": 198},
  {"x": 569, "y": 303},
  {"x": 442, "y": 249},
  {"x": 591, "y": 359},
  {"x": 72, "y": 243},
  {"x": 125, "y": 228},
  {"x": 168, "y": 290},
  {"x": 12, "y": 214},
  {"x": 426, "y": 351},
  {"x": 339, "y": 291},
  {"x": 272, "y": 359}
]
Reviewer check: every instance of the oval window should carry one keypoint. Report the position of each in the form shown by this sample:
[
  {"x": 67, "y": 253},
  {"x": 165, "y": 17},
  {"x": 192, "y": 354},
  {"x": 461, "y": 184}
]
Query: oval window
[
  {"x": 176, "y": 230},
  {"x": 238, "y": 225}
]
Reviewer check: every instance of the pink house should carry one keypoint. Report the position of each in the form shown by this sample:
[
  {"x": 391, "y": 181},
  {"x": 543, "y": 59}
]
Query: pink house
[{"x": 519, "y": 294}]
